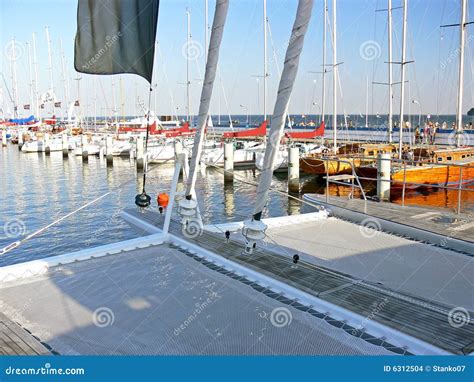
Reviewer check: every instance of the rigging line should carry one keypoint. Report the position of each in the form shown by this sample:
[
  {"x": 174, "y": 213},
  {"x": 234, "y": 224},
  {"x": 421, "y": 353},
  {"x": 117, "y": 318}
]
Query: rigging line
[
  {"x": 173, "y": 104},
  {"x": 218, "y": 169},
  {"x": 277, "y": 66},
  {"x": 145, "y": 165},
  {"x": 224, "y": 94},
  {"x": 17, "y": 243}
]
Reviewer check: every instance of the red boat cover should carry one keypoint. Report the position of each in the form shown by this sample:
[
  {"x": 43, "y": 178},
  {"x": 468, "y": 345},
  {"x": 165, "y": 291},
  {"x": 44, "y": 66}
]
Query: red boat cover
[
  {"x": 257, "y": 132},
  {"x": 317, "y": 132}
]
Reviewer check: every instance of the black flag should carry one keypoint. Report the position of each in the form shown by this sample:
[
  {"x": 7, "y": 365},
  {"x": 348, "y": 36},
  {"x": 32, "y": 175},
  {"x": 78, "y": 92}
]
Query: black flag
[{"x": 116, "y": 36}]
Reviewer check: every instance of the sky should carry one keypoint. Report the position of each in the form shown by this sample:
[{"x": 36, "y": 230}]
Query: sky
[{"x": 361, "y": 42}]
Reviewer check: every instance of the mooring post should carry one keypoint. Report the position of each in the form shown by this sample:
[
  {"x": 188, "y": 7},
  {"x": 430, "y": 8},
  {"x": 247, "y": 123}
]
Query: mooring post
[
  {"x": 228, "y": 162},
  {"x": 4, "y": 138},
  {"x": 85, "y": 149},
  {"x": 178, "y": 150},
  {"x": 108, "y": 151},
  {"x": 46, "y": 143},
  {"x": 293, "y": 169},
  {"x": 384, "y": 162},
  {"x": 140, "y": 153},
  {"x": 65, "y": 145},
  {"x": 20, "y": 139}
]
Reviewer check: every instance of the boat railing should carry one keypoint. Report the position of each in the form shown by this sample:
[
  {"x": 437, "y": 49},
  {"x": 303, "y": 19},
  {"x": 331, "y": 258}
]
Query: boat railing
[
  {"x": 341, "y": 179},
  {"x": 405, "y": 163}
]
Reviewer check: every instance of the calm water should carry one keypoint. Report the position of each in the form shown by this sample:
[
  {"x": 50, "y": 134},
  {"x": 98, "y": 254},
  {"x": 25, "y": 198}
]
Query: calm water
[{"x": 37, "y": 189}]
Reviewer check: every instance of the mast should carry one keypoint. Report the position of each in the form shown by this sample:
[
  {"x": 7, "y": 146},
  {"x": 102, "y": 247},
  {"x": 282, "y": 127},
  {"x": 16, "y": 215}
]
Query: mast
[
  {"x": 390, "y": 73},
  {"x": 63, "y": 65},
  {"x": 265, "y": 60},
  {"x": 188, "y": 83},
  {"x": 206, "y": 29},
  {"x": 402, "y": 92},
  {"x": 287, "y": 80},
  {"x": 323, "y": 99},
  {"x": 334, "y": 75},
  {"x": 30, "y": 73},
  {"x": 462, "y": 39},
  {"x": 14, "y": 78},
  {"x": 217, "y": 32},
  {"x": 367, "y": 102},
  {"x": 50, "y": 59},
  {"x": 35, "y": 65},
  {"x": 95, "y": 102},
  {"x": 114, "y": 98}
]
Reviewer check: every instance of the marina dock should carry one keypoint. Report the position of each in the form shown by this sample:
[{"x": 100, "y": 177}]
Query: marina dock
[{"x": 436, "y": 226}]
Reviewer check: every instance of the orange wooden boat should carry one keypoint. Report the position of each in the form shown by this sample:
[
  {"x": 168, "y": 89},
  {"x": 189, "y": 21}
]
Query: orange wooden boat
[
  {"x": 436, "y": 167},
  {"x": 357, "y": 154}
]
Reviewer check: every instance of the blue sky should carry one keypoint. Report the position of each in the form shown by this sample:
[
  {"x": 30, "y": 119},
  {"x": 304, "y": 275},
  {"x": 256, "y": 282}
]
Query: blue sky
[{"x": 432, "y": 78}]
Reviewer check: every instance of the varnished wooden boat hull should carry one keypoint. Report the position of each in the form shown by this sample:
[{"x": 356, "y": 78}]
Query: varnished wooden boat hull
[
  {"x": 318, "y": 166},
  {"x": 433, "y": 175},
  {"x": 425, "y": 176}
]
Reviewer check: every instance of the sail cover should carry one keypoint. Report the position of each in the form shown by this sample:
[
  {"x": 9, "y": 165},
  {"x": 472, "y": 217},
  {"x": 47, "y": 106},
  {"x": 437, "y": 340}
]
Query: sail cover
[{"x": 115, "y": 36}]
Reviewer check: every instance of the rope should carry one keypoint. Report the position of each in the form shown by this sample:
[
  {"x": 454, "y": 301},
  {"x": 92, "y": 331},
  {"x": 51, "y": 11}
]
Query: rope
[
  {"x": 145, "y": 166},
  {"x": 17, "y": 243}
]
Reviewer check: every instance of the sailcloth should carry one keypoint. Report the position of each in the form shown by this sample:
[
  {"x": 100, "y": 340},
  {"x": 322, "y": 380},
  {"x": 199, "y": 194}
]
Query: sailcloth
[
  {"x": 220, "y": 15},
  {"x": 287, "y": 80},
  {"x": 116, "y": 36}
]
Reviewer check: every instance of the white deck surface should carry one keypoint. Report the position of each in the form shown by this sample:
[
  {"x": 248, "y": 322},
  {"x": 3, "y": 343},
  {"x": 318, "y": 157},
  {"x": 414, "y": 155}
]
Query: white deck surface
[
  {"x": 407, "y": 266},
  {"x": 160, "y": 301}
]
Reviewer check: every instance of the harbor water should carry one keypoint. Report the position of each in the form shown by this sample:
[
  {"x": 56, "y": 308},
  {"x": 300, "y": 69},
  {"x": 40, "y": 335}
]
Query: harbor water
[{"x": 37, "y": 190}]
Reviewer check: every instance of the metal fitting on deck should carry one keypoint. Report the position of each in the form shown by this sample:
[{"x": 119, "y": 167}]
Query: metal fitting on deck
[{"x": 253, "y": 231}]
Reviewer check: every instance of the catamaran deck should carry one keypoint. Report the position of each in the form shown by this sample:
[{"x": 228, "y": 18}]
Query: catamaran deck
[
  {"x": 176, "y": 295},
  {"x": 159, "y": 300},
  {"x": 358, "y": 273}
]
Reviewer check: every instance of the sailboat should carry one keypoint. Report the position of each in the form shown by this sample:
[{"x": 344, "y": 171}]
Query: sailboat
[{"x": 435, "y": 166}]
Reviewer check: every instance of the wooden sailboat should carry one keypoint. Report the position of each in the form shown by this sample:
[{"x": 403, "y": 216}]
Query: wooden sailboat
[{"x": 434, "y": 166}]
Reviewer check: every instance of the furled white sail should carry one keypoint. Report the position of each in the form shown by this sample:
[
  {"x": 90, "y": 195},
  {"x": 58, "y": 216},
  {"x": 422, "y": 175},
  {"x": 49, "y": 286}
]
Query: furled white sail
[
  {"x": 220, "y": 15},
  {"x": 287, "y": 80}
]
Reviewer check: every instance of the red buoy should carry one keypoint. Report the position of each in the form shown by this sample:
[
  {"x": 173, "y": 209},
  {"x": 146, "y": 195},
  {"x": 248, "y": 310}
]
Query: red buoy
[{"x": 163, "y": 199}]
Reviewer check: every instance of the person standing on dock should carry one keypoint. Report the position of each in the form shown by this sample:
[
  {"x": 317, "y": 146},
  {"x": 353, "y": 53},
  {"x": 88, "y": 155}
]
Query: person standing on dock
[{"x": 417, "y": 134}]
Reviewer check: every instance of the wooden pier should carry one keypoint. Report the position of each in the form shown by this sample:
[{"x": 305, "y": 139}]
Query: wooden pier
[{"x": 14, "y": 340}]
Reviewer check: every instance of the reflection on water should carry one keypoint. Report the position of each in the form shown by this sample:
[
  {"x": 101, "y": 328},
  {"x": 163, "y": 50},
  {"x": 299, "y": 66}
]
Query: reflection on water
[
  {"x": 420, "y": 197},
  {"x": 36, "y": 190}
]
